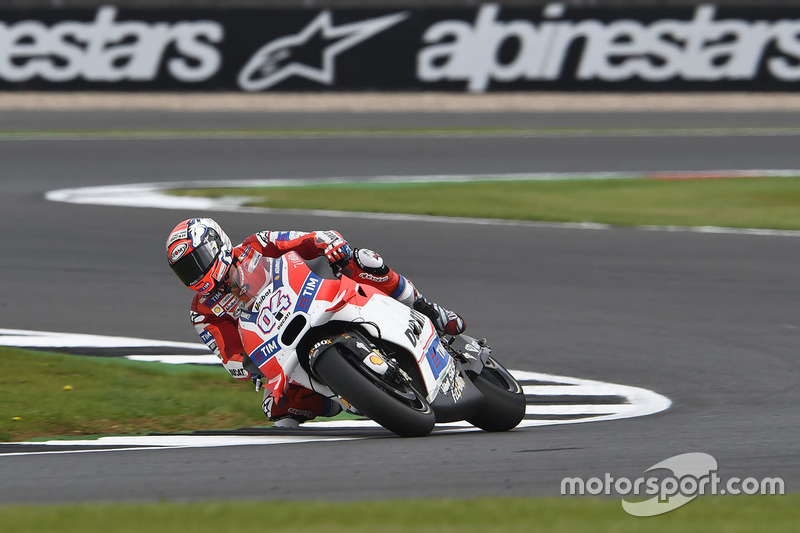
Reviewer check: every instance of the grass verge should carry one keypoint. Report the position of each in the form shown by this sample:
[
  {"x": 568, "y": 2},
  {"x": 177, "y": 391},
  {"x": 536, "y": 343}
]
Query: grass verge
[
  {"x": 772, "y": 203},
  {"x": 510, "y": 515},
  {"x": 47, "y": 394}
]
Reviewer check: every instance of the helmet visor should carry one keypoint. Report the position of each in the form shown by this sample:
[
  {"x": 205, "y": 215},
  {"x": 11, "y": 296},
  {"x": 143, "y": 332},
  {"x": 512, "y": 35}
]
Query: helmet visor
[{"x": 193, "y": 266}]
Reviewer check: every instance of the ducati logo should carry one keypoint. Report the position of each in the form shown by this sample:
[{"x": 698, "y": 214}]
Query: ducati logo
[{"x": 311, "y": 53}]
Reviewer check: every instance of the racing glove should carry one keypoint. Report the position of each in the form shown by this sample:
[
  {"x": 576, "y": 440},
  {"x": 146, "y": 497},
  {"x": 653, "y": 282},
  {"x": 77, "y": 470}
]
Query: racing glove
[{"x": 333, "y": 247}]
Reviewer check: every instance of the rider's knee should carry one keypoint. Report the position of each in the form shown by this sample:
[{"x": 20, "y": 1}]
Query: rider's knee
[{"x": 371, "y": 262}]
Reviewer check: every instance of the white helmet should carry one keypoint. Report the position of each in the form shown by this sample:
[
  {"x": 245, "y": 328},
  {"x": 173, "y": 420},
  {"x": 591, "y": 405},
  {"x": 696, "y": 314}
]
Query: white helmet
[{"x": 199, "y": 253}]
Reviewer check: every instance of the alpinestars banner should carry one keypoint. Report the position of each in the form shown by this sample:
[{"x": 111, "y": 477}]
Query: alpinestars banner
[{"x": 487, "y": 48}]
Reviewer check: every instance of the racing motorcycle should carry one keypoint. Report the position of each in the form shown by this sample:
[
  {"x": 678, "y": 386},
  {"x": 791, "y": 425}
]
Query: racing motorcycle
[{"x": 365, "y": 350}]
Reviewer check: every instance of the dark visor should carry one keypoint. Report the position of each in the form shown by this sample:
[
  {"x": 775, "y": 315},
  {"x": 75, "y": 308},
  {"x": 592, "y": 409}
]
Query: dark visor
[{"x": 193, "y": 266}]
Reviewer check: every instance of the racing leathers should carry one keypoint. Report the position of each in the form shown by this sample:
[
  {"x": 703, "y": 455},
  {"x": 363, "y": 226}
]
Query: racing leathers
[{"x": 215, "y": 316}]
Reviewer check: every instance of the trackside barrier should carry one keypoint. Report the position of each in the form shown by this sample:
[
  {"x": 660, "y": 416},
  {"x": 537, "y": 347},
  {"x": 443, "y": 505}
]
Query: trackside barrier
[{"x": 489, "y": 47}]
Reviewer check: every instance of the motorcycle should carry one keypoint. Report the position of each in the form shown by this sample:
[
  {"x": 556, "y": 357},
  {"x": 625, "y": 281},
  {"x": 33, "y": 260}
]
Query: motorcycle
[{"x": 376, "y": 357}]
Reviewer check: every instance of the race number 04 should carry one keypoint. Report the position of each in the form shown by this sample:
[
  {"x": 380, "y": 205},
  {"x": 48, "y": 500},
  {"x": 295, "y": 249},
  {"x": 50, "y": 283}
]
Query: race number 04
[{"x": 270, "y": 315}]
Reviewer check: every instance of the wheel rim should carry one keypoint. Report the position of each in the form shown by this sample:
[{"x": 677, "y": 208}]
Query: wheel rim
[
  {"x": 407, "y": 394},
  {"x": 500, "y": 376}
]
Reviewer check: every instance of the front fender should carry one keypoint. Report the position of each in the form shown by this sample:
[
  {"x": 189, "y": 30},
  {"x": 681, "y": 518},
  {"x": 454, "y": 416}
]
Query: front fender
[
  {"x": 351, "y": 342},
  {"x": 458, "y": 398}
]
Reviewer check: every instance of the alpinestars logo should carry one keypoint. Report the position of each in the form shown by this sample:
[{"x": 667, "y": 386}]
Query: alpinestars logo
[{"x": 319, "y": 42}]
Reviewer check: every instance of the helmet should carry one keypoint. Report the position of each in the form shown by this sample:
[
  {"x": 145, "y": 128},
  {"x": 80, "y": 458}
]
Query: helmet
[{"x": 199, "y": 253}]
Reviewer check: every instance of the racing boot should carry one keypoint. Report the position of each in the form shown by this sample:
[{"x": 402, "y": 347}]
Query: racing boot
[
  {"x": 297, "y": 405},
  {"x": 444, "y": 320}
]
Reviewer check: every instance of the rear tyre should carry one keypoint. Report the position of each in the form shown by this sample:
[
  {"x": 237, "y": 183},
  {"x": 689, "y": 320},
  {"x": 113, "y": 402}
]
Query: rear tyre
[
  {"x": 395, "y": 406},
  {"x": 504, "y": 400}
]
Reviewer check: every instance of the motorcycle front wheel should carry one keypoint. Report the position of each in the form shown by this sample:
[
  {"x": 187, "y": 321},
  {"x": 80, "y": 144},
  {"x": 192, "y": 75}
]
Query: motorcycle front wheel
[
  {"x": 504, "y": 400},
  {"x": 397, "y": 407}
]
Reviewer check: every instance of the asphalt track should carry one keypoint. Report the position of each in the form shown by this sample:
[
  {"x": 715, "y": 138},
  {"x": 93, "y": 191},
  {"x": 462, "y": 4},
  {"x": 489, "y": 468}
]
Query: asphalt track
[{"x": 708, "y": 320}]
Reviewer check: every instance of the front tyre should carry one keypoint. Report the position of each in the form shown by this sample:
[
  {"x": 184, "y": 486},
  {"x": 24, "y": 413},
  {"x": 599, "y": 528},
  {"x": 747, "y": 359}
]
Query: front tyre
[
  {"x": 504, "y": 400},
  {"x": 395, "y": 406}
]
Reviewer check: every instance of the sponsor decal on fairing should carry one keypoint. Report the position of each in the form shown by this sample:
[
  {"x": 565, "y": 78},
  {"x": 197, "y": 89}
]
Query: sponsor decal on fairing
[
  {"x": 437, "y": 357},
  {"x": 306, "y": 295},
  {"x": 266, "y": 351},
  {"x": 268, "y": 317},
  {"x": 277, "y": 273}
]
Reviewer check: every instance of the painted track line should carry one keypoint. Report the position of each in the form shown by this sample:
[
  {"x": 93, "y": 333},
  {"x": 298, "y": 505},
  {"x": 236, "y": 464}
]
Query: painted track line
[{"x": 551, "y": 400}]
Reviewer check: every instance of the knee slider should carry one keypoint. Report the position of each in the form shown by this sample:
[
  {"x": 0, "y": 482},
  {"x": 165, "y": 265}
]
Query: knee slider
[{"x": 371, "y": 262}]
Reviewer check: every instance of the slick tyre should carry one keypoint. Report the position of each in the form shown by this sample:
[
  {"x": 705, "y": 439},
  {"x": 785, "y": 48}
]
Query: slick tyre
[
  {"x": 504, "y": 401},
  {"x": 398, "y": 408}
]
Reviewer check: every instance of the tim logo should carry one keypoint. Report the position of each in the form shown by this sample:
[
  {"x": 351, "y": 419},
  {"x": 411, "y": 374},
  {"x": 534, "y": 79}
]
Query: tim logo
[
  {"x": 311, "y": 53},
  {"x": 264, "y": 352}
]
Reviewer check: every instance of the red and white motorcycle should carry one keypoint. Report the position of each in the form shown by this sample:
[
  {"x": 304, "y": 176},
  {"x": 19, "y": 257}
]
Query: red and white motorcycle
[{"x": 367, "y": 351}]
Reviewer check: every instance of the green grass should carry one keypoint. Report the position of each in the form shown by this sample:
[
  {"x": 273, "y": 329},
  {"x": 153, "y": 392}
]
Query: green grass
[
  {"x": 486, "y": 515},
  {"x": 48, "y": 394},
  {"x": 741, "y": 203}
]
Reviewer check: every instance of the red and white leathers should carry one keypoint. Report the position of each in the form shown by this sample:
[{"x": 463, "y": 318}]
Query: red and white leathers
[{"x": 215, "y": 316}]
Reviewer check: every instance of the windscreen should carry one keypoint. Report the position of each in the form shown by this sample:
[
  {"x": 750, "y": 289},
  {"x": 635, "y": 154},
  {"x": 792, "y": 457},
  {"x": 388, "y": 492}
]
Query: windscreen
[{"x": 250, "y": 277}]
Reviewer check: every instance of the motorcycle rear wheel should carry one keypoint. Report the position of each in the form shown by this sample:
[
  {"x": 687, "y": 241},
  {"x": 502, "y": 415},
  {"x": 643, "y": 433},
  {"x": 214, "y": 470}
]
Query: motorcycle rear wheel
[
  {"x": 398, "y": 408},
  {"x": 504, "y": 400}
]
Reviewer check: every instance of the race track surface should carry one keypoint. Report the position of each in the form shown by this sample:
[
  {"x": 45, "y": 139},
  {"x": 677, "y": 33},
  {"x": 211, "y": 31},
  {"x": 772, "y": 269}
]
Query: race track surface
[{"x": 709, "y": 321}]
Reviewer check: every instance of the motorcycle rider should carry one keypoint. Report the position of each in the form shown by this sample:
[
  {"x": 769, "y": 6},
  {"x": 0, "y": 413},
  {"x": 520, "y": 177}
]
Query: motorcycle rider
[{"x": 202, "y": 256}]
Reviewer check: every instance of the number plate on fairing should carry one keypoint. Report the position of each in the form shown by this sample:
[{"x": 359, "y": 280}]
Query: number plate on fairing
[{"x": 437, "y": 356}]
